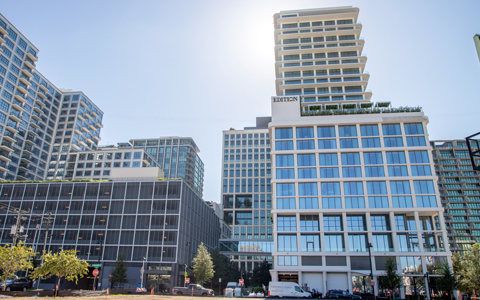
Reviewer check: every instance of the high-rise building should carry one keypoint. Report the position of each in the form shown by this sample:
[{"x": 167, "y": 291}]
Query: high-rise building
[
  {"x": 178, "y": 158},
  {"x": 246, "y": 194},
  {"x": 40, "y": 124},
  {"x": 459, "y": 187},
  {"x": 349, "y": 176}
]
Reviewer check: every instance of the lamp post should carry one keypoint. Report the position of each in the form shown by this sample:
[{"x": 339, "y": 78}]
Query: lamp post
[
  {"x": 143, "y": 272},
  {"x": 370, "y": 259},
  {"x": 100, "y": 279}
]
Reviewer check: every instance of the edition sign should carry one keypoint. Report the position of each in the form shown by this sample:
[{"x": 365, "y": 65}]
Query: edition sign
[{"x": 285, "y": 99}]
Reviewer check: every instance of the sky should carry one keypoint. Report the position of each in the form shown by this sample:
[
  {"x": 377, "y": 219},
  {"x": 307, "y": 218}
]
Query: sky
[{"x": 195, "y": 68}]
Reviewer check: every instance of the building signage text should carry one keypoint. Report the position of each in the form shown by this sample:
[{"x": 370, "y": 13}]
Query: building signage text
[{"x": 285, "y": 99}]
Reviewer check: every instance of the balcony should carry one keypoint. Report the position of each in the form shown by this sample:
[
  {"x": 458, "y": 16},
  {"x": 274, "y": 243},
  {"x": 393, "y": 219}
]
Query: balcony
[
  {"x": 18, "y": 105},
  {"x": 34, "y": 124},
  {"x": 27, "y": 150},
  {"x": 94, "y": 114},
  {"x": 2, "y": 41},
  {"x": 41, "y": 95},
  {"x": 3, "y": 30},
  {"x": 43, "y": 88},
  {"x": 29, "y": 64},
  {"x": 23, "y": 167},
  {"x": 25, "y": 80},
  {"x": 32, "y": 131},
  {"x": 83, "y": 144},
  {"x": 14, "y": 117},
  {"x": 30, "y": 141},
  {"x": 80, "y": 117},
  {"x": 36, "y": 116},
  {"x": 90, "y": 141},
  {"x": 38, "y": 109},
  {"x": 75, "y": 146},
  {"x": 5, "y": 156},
  {"x": 98, "y": 125},
  {"x": 85, "y": 129},
  {"x": 27, "y": 72},
  {"x": 26, "y": 158},
  {"x": 31, "y": 55},
  {"x": 7, "y": 146},
  {"x": 19, "y": 97},
  {"x": 12, "y": 127},
  {"x": 91, "y": 127},
  {"x": 82, "y": 103},
  {"x": 88, "y": 116},
  {"x": 96, "y": 138},
  {"x": 3, "y": 166},
  {"x": 78, "y": 131},
  {"x": 22, "y": 90}
]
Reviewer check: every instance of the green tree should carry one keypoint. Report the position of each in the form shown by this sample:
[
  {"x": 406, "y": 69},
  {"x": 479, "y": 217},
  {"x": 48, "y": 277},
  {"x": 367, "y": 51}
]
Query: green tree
[
  {"x": 119, "y": 273},
  {"x": 220, "y": 266},
  {"x": 448, "y": 282},
  {"x": 63, "y": 264},
  {"x": 390, "y": 279},
  {"x": 13, "y": 259},
  {"x": 261, "y": 274},
  {"x": 203, "y": 265},
  {"x": 468, "y": 267}
]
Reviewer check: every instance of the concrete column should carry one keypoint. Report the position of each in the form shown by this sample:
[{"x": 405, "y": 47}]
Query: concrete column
[
  {"x": 274, "y": 275},
  {"x": 300, "y": 278},
  {"x": 325, "y": 287},
  {"x": 349, "y": 278}
]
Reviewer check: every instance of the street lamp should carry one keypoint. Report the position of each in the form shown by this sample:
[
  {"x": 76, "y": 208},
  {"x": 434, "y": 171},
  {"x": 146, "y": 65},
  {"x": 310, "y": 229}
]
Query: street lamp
[
  {"x": 370, "y": 246},
  {"x": 100, "y": 281},
  {"x": 143, "y": 271}
]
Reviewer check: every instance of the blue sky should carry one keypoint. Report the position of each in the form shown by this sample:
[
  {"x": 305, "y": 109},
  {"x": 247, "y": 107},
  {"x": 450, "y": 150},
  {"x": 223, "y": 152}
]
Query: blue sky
[{"x": 195, "y": 68}]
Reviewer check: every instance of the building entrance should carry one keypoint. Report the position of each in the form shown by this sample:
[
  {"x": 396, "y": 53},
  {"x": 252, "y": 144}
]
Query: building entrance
[{"x": 288, "y": 277}]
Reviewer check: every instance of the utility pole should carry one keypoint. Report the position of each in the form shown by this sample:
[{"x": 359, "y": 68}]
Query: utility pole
[
  {"x": 45, "y": 242},
  {"x": 17, "y": 229}
]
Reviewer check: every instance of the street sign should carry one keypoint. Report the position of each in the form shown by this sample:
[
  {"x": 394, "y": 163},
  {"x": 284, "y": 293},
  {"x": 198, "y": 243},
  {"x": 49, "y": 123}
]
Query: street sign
[
  {"x": 96, "y": 265},
  {"x": 187, "y": 280},
  {"x": 219, "y": 279},
  {"x": 372, "y": 283},
  {"x": 95, "y": 272},
  {"x": 240, "y": 281}
]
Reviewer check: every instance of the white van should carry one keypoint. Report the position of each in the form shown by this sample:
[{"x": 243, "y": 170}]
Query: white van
[{"x": 286, "y": 289}]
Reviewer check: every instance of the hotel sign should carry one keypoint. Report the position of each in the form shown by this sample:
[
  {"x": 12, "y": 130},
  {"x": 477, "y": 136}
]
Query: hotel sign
[{"x": 285, "y": 99}]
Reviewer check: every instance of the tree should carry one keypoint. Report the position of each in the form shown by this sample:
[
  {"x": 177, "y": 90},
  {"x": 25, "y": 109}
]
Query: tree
[
  {"x": 13, "y": 259},
  {"x": 447, "y": 283},
  {"x": 390, "y": 279},
  {"x": 468, "y": 267},
  {"x": 119, "y": 273},
  {"x": 203, "y": 265},
  {"x": 63, "y": 264},
  {"x": 261, "y": 274},
  {"x": 220, "y": 266}
]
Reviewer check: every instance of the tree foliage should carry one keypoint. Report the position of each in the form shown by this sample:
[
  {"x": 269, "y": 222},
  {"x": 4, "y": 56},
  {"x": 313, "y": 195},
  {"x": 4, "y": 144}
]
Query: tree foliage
[
  {"x": 13, "y": 259},
  {"x": 119, "y": 272},
  {"x": 468, "y": 267},
  {"x": 261, "y": 274},
  {"x": 63, "y": 264},
  {"x": 220, "y": 266},
  {"x": 448, "y": 282},
  {"x": 390, "y": 278},
  {"x": 203, "y": 265}
]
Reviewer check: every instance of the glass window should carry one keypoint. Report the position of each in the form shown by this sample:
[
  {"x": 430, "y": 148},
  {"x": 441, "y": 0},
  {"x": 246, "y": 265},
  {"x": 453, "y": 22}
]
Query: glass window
[
  {"x": 402, "y": 201},
  {"x": 308, "y": 203},
  {"x": 382, "y": 242},
  {"x": 414, "y": 128},
  {"x": 285, "y": 174},
  {"x": 327, "y": 144},
  {"x": 287, "y": 243},
  {"x": 397, "y": 157},
  {"x": 309, "y": 223},
  {"x": 357, "y": 243},
  {"x": 307, "y": 189},
  {"x": 421, "y": 170},
  {"x": 418, "y": 157},
  {"x": 283, "y": 133},
  {"x": 287, "y": 260},
  {"x": 378, "y": 202},
  {"x": 283, "y": 145},
  {"x": 286, "y": 223},
  {"x": 354, "y": 202},
  {"x": 376, "y": 188},
  {"x": 328, "y": 159},
  {"x": 371, "y": 143},
  {"x": 334, "y": 243},
  {"x": 373, "y": 158},
  {"x": 374, "y": 172},
  {"x": 331, "y": 202},
  {"x": 347, "y": 131},
  {"x": 348, "y": 143},
  {"x": 326, "y": 132},
  {"x": 307, "y": 173},
  {"x": 426, "y": 201},
  {"x": 305, "y": 145},
  {"x": 423, "y": 187},
  {"x": 305, "y": 133},
  {"x": 350, "y": 159},
  {"x": 285, "y": 189},
  {"x": 391, "y": 129},
  {"x": 284, "y": 160},
  {"x": 330, "y": 188},
  {"x": 380, "y": 222},
  {"x": 351, "y": 172},
  {"x": 395, "y": 171},
  {"x": 306, "y": 160},
  {"x": 400, "y": 187},
  {"x": 353, "y": 188},
  {"x": 393, "y": 142},
  {"x": 413, "y": 141},
  {"x": 329, "y": 173},
  {"x": 356, "y": 223},
  {"x": 310, "y": 242},
  {"x": 332, "y": 223},
  {"x": 369, "y": 130},
  {"x": 285, "y": 203}
]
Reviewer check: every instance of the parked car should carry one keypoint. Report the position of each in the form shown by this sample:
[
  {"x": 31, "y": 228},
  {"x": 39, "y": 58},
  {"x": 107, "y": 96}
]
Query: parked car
[
  {"x": 196, "y": 289},
  {"x": 286, "y": 289},
  {"x": 17, "y": 284},
  {"x": 341, "y": 294}
]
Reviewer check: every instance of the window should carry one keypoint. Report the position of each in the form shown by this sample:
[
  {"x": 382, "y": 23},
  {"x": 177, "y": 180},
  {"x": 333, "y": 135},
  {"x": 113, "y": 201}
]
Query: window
[
  {"x": 395, "y": 171},
  {"x": 283, "y": 133},
  {"x": 369, "y": 130},
  {"x": 402, "y": 201},
  {"x": 382, "y": 243},
  {"x": 378, "y": 202},
  {"x": 285, "y": 203},
  {"x": 284, "y": 160},
  {"x": 391, "y": 129},
  {"x": 347, "y": 131},
  {"x": 283, "y": 145},
  {"x": 423, "y": 187},
  {"x": 285, "y": 189},
  {"x": 414, "y": 128},
  {"x": 285, "y": 174},
  {"x": 353, "y": 188},
  {"x": 418, "y": 157},
  {"x": 308, "y": 203},
  {"x": 376, "y": 188},
  {"x": 356, "y": 223},
  {"x": 350, "y": 159},
  {"x": 287, "y": 260},
  {"x": 309, "y": 223},
  {"x": 351, "y": 172},
  {"x": 334, "y": 243},
  {"x": 329, "y": 173},
  {"x": 354, "y": 202},
  {"x": 331, "y": 202},
  {"x": 286, "y": 223},
  {"x": 305, "y": 133},
  {"x": 373, "y": 158},
  {"x": 328, "y": 159},
  {"x": 380, "y": 223},
  {"x": 422, "y": 170},
  {"x": 400, "y": 187},
  {"x": 413, "y": 141},
  {"x": 374, "y": 172},
  {"x": 348, "y": 143},
  {"x": 393, "y": 142},
  {"x": 326, "y": 132},
  {"x": 287, "y": 243},
  {"x": 357, "y": 243},
  {"x": 370, "y": 142},
  {"x": 327, "y": 144},
  {"x": 306, "y": 160},
  {"x": 330, "y": 188},
  {"x": 307, "y": 173},
  {"x": 397, "y": 157},
  {"x": 332, "y": 223},
  {"x": 426, "y": 201},
  {"x": 310, "y": 242},
  {"x": 307, "y": 189},
  {"x": 304, "y": 145}
]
